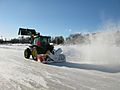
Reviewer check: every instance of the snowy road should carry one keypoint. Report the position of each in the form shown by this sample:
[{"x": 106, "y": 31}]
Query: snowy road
[{"x": 16, "y": 73}]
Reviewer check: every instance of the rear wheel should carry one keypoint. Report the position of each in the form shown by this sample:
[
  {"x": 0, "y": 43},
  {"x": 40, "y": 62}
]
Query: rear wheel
[{"x": 27, "y": 53}]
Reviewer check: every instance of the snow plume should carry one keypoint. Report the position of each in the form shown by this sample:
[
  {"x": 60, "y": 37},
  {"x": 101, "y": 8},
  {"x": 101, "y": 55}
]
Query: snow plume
[{"x": 103, "y": 47}]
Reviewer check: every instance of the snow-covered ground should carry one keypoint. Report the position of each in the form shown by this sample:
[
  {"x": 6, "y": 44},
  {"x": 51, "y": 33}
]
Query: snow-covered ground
[{"x": 78, "y": 73}]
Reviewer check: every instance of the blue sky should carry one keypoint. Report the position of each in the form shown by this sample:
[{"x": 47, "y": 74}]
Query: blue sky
[{"x": 56, "y": 17}]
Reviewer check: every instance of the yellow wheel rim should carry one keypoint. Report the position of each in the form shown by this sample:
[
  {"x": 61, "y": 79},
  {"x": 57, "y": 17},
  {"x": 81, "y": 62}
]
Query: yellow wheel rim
[{"x": 34, "y": 53}]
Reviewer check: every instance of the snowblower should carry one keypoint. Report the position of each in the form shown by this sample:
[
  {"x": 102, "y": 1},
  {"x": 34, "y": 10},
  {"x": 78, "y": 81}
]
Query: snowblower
[{"x": 41, "y": 48}]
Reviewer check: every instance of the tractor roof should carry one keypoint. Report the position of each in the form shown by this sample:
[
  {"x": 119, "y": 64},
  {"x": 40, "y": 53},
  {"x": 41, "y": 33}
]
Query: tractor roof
[{"x": 45, "y": 36}]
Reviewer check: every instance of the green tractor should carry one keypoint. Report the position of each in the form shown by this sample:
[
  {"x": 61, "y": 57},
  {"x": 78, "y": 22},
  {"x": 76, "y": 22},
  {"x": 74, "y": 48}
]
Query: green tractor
[{"x": 40, "y": 48}]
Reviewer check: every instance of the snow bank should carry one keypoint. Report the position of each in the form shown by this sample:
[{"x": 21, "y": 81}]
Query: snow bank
[{"x": 14, "y": 46}]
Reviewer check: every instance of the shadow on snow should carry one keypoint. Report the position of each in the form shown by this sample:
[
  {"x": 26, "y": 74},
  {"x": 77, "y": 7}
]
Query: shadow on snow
[{"x": 102, "y": 68}]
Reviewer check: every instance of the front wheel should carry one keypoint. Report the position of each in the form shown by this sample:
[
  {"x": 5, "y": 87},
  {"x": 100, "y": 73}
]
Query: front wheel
[
  {"x": 27, "y": 53},
  {"x": 34, "y": 54}
]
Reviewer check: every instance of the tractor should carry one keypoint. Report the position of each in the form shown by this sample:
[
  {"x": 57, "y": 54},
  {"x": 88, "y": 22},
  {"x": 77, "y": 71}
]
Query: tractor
[{"x": 40, "y": 47}]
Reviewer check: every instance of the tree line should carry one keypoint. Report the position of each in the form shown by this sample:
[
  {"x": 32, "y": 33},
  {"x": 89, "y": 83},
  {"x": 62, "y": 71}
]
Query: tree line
[{"x": 26, "y": 40}]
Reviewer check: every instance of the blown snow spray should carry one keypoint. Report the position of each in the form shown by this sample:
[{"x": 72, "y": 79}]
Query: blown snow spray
[{"x": 104, "y": 47}]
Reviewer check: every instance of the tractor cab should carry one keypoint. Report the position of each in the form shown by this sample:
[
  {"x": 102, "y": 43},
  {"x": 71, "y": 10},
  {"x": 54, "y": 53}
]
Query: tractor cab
[
  {"x": 41, "y": 40},
  {"x": 42, "y": 44}
]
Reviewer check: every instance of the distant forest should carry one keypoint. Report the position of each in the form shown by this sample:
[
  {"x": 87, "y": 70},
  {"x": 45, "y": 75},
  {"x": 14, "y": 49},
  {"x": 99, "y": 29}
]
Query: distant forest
[{"x": 26, "y": 40}]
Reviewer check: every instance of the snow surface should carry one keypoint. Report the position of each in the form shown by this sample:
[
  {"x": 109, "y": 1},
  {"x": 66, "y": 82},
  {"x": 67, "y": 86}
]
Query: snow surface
[{"x": 78, "y": 73}]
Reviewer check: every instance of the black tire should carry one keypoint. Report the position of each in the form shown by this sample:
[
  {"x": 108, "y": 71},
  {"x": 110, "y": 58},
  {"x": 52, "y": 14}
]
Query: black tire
[{"x": 27, "y": 53}]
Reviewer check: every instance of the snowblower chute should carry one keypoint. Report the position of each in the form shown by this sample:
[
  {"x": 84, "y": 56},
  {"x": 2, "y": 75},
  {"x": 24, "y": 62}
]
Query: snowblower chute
[{"x": 40, "y": 48}]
